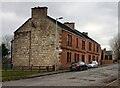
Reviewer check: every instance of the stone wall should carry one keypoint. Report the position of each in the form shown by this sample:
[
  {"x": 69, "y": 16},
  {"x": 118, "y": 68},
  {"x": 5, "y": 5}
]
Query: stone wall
[
  {"x": 21, "y": 49},
  {"x": 37, "y": 47}
]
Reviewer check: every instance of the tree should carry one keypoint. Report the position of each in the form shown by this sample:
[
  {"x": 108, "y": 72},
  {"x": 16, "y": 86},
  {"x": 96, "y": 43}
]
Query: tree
[
  {"x": 0, "y": 49},
  {"x": 6, "y": 39},
  {"x": 5, "y": 51},
  {"x": 115, "y": 45},
  {"x": 5, "y": 48}
]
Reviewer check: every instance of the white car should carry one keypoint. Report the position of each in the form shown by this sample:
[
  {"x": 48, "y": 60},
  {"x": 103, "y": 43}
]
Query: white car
[{"x": 93, "y": 64}]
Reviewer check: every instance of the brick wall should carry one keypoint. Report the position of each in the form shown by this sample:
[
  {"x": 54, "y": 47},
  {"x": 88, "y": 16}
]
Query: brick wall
[
  {"x": 78, "y": 50},
  {"x": 107, "y": 61}
]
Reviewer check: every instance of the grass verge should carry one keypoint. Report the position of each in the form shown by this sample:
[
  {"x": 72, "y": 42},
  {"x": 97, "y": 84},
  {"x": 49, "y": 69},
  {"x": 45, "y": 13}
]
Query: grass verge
[{"x": 18, "y": 74}]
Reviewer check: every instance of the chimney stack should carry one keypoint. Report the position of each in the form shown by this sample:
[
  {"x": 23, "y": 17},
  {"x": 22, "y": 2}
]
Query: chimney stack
[
  {"x": 85, "y": 33},
  {"x": 70, "y": 24},
  {"x": 39, "y": 12}
]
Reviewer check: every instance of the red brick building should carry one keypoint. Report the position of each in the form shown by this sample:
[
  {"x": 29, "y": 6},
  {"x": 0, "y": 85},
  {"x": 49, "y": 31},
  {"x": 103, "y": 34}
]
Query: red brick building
[
  {"x": 35, "y": 42},
  {"x": 78, "y": 46},
  {"x": 106, "y": 57}
]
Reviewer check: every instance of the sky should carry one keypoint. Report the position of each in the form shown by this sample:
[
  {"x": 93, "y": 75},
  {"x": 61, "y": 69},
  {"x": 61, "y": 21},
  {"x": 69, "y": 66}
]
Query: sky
[{"x": 99, "y": 19}]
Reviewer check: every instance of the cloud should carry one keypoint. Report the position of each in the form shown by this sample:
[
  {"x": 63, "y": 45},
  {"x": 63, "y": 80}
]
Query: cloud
[
  {"x": 106, "y": 46},
  {"x": 99, "y": 19},
  {"x": 12, "y": 20}
]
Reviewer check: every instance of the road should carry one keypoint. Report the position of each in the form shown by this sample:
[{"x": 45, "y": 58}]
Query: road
[
  {"x": 114, "y": 83},
  {"x": 92, "y": 77}
]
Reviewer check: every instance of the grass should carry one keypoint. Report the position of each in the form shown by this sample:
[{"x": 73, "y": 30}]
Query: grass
[{"x": 8, "y": 75}]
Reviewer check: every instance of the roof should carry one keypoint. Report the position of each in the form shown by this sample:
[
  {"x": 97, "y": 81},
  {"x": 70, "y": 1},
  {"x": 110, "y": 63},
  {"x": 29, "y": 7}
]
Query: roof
[
  {"x": 66, "y": 28},
  {"x": 71, "y": 30},
  {"x": 109, "y": 52},
  {"x": 22, "y": 25}
]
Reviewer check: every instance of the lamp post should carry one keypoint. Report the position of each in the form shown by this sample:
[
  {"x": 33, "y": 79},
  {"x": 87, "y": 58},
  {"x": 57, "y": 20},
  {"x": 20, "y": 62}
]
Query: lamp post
[{"x": 55, "y": 57}]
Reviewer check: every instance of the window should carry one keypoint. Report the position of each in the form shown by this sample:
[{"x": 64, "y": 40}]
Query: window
[
  {"x": 93, "y": 58},
  {"x": 76, "y": 42},
  {"x": 94, "y": 48},
  {"x": 97, "y": 59},
  {"x": 83, "y": 58},
  {"x": 69, "y": 40},
  {"x": 83, "y": 45},
  {"x": 102, "y": 55},
  {"x": 76, "y": 57},
  {"x": 106, "y": 57},
  {"x": 90, "y": 46},
  {"x": 110, "y": 57},
  {"x": 68, "y": 57},
  {"x": 89, "y": 58},
  {"x": 97, "y": 49}
]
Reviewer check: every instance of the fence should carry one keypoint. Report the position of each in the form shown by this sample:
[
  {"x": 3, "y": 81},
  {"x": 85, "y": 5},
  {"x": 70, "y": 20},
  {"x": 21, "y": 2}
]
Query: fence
[
  {"x": 48, "y": 68},
  {"x": 7, "y": 66}
]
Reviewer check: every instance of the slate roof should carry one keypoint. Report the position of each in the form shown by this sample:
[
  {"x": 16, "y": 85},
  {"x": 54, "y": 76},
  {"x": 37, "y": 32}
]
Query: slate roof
[
  {"x": 72, "y": 30},
  {"x": 22, "y": 25},
  {"x": 109, "y": 52},
  {"x": 65, "y": 27}
]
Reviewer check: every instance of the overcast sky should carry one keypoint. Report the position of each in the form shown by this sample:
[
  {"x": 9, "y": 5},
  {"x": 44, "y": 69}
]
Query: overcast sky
[{"x": 99, "y": 19}]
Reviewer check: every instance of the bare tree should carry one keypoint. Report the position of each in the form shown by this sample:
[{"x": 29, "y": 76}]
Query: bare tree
[
  {"x": 6, "y": 39},
  {"x": 115, "y": 45}
]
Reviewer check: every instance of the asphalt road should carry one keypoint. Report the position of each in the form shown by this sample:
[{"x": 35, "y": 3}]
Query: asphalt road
[
  {"x": 92, "y": 77},
  {"x": 114, "y": 83}
]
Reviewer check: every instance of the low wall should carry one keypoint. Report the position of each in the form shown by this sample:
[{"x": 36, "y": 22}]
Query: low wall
[
  {"x": 107, "y": 61},
  {"x": 48, "y": 68}
]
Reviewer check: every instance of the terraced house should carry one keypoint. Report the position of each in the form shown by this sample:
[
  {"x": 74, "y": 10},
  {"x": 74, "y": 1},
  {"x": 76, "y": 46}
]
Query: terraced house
[{"x": 38, "y": 43}]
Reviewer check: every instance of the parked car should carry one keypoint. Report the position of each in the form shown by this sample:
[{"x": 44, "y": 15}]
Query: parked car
[
  {"x": 93, "y": 64},
  {"x": 78, "y": 66}
]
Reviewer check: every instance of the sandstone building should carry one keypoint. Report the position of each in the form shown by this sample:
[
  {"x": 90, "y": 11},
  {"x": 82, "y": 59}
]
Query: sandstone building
[{"x": 35, "y": 42}]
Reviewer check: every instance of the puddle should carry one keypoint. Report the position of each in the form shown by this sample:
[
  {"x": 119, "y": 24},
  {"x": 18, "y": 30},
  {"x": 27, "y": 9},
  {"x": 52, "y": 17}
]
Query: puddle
[
  {"x": 91, "y": 80},
  {"x": 72, "y": 78},
  {"x": 88, "y": 79}
]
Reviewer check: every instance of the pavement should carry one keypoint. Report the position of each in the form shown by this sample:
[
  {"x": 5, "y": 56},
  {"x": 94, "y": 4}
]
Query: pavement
[
  {"x": 47, "y": 73},
  {"x": 55, "y": 72},
  {"x": 100, "y": 76}
]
